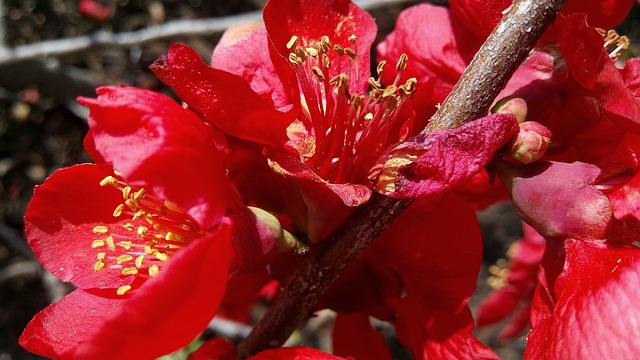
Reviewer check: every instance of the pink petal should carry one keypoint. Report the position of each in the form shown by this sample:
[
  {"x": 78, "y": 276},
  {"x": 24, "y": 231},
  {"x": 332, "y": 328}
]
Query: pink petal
[
  {"x": 236, "y": 53},
  {"x": 432, "y": 163}
]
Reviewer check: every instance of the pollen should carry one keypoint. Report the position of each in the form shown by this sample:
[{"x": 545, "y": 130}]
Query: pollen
[
  {"x": 97, "y": 243},
  {"x": 118, "y": 210},
  {"x": 100, "y": 229},
  {"x": 129, "y": 271},
  {"x": 123, "y": 289},
  {"x": 154, "y": 270},
  {"x": 124, "y": 258}
]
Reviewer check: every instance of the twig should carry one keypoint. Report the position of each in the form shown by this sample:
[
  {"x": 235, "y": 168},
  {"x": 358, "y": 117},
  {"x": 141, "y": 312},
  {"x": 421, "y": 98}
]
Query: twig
[
  {"x": 172, "y": 29},
  {"x": 508, "y": 45}
]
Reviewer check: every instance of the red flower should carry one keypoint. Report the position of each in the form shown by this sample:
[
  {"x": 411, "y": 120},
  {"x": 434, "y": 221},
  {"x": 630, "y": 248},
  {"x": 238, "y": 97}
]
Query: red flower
[
  {"x": 93, "y": 9},
  {"x": 149, "y": 246}
]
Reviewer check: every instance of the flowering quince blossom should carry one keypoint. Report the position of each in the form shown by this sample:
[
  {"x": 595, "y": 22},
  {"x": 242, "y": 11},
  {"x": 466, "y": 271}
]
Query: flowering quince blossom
[
  {"x": 578, "y": 190},
  {"x": 129, "y": 238}
]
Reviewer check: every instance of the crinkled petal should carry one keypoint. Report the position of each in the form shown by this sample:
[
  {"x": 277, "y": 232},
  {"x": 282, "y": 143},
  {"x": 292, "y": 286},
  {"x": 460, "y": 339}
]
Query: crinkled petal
[
  {"x": 163, "y": 315},
  {"x": 435, "y": 162},
  {"x": 243, "y": 51},
  {"x": 309, "y": 20},
  {"x": 223, "y": 99},
  {"x": 158, "y": 145},
  {"x": 594, "y": 314}
]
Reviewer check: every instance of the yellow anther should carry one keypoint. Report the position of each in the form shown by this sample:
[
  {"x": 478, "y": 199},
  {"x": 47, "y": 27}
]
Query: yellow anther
[
  {"x": 380, "y": 67},
  {"x": 389, "y": 90},
  {"x": 301, "y": 53},
  {"x": 123, "y": 258},
  {"x": 142, "y": 231},
  {"x": 339, "y": 49},
  {"x": 292, "y": 42},
  {"x": 97, "y": 243},
  {"x": 170, "y": 236},
  {"x": 139, "y": 260},
  {"x": 125, "y": 192},
  {"x": 118, "y": 173},
  {"x": 325, "y": 61},
  {"x": 129, "y": 271},
  {"x": 312, "y": 51},
  {"x": 123, "y": 289},
  {"x": 127, "y": 225},
  {"x": 351, "y": 53},
  {"x": 154, "y": 270},
  {"x": 100, "y": 229},
  {"x": 125, "y": 244},
  {"x": 110, "y": 243},
  {"x": 172, "y": 206},
  {"x": 148, "y": 247},
  {"x": 356, "y": 100},
  {"x": 368, "y": 117},
  {"x": 98, "y": 266},
  {"x": 318, "y": 73},
  {"x": 158, "y": 236},
  {"x": 101, "y": 256},
  {"x": 340, "y": 80},
  {"x": 293, "y": 58},
  {"x": 409, "y": 87},
  {"x": 162, "y": 256},
  {"x": 132, "y": 204},
  {"x": 118, "y": 211},
  {"x": 324, "y": 39},
  {"x": 138, "y": 215},
  {"x": 139, "y": 194},
  {"x": 375, "y": 84},
  {"x": 352, "y": 38},
  {"x": 109, "y": 180},
  {"x": 402, "y": 62}
]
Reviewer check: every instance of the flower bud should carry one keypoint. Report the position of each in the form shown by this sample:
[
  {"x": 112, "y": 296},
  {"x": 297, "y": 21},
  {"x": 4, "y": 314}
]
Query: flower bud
[
  {"x": 530, "y": 144},
  {"x": 258, "y": 237},
  {"x": 515, "y": 106}
]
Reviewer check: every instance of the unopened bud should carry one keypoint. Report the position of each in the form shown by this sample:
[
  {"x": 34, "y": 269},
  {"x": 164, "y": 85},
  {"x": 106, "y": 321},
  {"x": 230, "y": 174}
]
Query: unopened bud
[
  {"x": 515, "y": 106},
  {"x": 530, "y": 144}
]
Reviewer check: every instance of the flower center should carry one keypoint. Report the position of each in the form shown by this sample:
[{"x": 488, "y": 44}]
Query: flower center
[
  {"x": 348, "y": 131},
  {"x": 150, "y": 232}
]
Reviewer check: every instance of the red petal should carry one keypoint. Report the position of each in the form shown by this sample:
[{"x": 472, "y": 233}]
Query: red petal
[
  {"x": 215, "y": 349},
  {"x": 163, "y": 315},
  {"x": 238, "y": 52},
  {"x": 436, "y": 249},
  {"x": 60, "y": 220},
  {"x": 435, "y": 162},
  {"x": 225, "y": 100},
  {"x": 312, "y": 19},
  {"x": 294, "y": 353},
  {"x": 480, "y": 16},
  {"x": 438, "y": 47},
  {"x": 594, "y": 317},
  {"x": 582, "y": 46},
  {"x": 158, "y": 145},
  {"x": 354, "y": 336}
]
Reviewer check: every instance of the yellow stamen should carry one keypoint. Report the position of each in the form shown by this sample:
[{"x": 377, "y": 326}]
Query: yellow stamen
[
  {"x": 118, "y": 211},
  {"x": 110, "y": 243},
  {"x": 97, "y": 243},
  {"x": 98, "y": 266},
  {"x": 162, "y": 256},
  {"x": 292, "y": 42},
  {"x": 154, "y": 270},
  {"x": 123, "y": 289},
  {"x": 123, "y": 258},
  {"x": 126, "y": 244},
  {"x": 100, "y": 229},
  {"x": 139, "y": 260},
  {"x": 402, "y": 62},
  {"x": 129, "y": 271}
]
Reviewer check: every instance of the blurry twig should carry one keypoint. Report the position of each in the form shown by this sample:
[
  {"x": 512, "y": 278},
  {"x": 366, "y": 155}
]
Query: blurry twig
[{"x": 178, "y": 28}]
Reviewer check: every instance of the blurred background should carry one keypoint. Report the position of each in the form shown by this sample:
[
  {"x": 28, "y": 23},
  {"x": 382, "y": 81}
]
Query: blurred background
[{"x": 54, "y": 51}]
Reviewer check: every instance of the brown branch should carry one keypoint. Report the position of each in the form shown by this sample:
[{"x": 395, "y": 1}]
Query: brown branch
[{"x": 487, "y": 74}]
